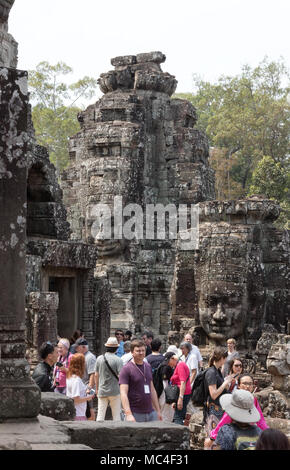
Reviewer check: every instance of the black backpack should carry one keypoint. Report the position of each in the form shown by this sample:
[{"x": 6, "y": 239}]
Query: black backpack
[
  {"x": 157, "y": 380},
  {"x": 199, "y": 391}
]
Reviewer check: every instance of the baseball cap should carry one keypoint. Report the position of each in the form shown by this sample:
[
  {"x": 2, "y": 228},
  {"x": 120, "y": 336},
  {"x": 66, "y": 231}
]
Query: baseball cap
[{"x": 81, "y": 342}]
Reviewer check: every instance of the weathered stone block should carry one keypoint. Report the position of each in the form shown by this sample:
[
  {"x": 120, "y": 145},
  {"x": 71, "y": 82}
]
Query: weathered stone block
[
  {"x": 130, "y": 436},
  {"x": 57, "y": 406}
]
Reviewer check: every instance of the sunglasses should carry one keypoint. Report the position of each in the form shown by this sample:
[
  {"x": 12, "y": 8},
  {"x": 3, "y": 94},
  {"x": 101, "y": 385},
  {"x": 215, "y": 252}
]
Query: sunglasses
[{"x": 237, "y": 365}]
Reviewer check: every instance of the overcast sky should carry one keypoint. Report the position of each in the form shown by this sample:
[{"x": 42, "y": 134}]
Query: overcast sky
[{"x": 207, "y": 37}]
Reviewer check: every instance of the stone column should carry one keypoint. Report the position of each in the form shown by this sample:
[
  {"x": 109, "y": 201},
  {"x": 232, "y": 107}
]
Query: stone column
[{"x": 19, "y": 396}]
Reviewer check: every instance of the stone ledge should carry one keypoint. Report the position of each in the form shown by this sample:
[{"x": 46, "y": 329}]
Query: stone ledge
[
  {"x": 110, "y": 435},
  {"x": 24, "y": 434},
  {"x": 60, "y": 447}
]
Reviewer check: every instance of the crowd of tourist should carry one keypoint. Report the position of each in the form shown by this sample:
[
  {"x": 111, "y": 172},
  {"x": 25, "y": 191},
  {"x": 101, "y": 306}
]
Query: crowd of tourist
[{"x": 137, "y": 380}]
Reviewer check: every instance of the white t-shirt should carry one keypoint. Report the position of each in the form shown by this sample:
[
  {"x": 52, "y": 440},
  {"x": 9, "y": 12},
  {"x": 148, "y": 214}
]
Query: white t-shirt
[
  {"x": 191, "y": 361},
  {"x": 196, "y": 351},
  {"x": 76, "y": 388},
  {"x": 126, "y": 358}
]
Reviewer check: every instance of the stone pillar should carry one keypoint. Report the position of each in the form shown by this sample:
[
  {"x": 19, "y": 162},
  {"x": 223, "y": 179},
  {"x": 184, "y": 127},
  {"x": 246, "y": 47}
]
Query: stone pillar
[
  {"x": 19, "y": 396},
  {"x": 41, "y": 322}
]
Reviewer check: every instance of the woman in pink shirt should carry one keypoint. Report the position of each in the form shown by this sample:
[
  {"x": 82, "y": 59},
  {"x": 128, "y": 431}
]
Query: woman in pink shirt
[
  {"x": 180, "y": 378},
  {"x": 245, "y": 382}
]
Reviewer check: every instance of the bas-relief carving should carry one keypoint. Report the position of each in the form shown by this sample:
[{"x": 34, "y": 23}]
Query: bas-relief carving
[
  {"x": 238, "y": 277},
  {"x": 232, "y": 273}
]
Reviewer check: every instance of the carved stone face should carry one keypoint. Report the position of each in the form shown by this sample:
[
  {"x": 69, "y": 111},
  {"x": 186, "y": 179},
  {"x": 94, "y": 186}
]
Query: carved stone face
[{"x": 222, "y": 310}]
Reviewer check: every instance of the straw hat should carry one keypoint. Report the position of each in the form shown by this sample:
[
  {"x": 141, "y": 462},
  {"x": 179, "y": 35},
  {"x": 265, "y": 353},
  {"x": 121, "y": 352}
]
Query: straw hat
[
  {"x": 239, "y": 405},
  {"x": 112, "y": 342}
]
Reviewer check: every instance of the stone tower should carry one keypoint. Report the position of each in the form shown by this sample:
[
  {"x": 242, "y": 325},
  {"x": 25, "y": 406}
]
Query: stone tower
[{"x": 140, "y": 145}]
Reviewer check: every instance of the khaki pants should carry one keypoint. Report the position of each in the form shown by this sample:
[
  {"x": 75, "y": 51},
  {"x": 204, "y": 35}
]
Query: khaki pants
[
  {"x": 115, "y": 404},
  {"x": 167, "y": 412}
]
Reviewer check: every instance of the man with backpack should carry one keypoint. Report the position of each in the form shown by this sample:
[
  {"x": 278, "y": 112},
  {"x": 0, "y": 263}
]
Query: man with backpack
[{"x": 155, "y": 358}]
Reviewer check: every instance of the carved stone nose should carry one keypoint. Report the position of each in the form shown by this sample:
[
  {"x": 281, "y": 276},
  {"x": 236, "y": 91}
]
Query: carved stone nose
[{"x": 219, "y": 314}]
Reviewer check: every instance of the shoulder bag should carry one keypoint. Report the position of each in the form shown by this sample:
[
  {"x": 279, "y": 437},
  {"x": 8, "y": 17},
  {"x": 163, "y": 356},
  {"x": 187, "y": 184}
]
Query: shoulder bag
[
  {"x": 108, "y": 365},
  {"x": 172, "y": 392}
]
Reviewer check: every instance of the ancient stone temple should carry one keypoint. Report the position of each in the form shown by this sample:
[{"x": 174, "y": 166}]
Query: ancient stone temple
[{"x": 136, "y": 146}]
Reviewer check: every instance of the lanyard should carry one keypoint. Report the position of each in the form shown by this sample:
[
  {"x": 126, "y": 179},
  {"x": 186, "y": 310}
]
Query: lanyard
[{"x": 142, "y": 373}]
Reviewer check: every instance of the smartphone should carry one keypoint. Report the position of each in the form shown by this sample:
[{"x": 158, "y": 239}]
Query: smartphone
[{"x": 59, "y": 364}]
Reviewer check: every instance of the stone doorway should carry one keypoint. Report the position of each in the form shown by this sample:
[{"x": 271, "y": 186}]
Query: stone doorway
[
  {"x": 68, "y": 284},
  {"x": 67, "y": 312}
]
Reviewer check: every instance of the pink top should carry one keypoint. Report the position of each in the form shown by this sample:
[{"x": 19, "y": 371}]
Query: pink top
[
  {"x": 59, "y": 375},
  {"x": 226, "y": 419},
  {"x": 181, "y": 374}
]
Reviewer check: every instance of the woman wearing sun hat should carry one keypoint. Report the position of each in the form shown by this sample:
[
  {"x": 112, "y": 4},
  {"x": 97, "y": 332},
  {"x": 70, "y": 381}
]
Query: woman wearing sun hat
[{"x": 241, "y": 433}]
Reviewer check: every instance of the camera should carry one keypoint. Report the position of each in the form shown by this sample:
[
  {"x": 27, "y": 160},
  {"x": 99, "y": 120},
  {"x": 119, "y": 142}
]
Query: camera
[
  {"x": 59, "y": 364},
  {"x": 92, "y": 392}
]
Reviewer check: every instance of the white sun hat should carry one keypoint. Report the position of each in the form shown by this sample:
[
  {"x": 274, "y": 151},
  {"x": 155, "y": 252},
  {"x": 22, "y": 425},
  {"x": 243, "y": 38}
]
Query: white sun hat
[
  {"x": 112, "y": 342},
  {"x": 239, "y": 405}
]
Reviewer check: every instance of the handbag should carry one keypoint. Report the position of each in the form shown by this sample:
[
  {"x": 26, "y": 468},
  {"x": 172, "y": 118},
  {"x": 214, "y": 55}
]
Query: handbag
[{"x": 171, "y": 393}]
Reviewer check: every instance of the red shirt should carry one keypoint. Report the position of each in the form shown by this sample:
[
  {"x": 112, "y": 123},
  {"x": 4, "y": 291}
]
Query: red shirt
[{"x": 181, "y": 374}]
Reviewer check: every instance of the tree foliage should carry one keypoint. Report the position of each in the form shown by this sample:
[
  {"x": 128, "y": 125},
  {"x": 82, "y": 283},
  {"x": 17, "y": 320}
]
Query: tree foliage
[
  {"x": 54, "y": 113},
  {"x": 246, "y": 118},
  {"x": 273, "y": 179}
]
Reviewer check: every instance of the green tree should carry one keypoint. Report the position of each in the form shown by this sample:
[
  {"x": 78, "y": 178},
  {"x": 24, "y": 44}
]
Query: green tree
[
  {"x": 273, "y": 180},
  {"x": 247, "y": 116},
  {"x": 54, "y": 111}
]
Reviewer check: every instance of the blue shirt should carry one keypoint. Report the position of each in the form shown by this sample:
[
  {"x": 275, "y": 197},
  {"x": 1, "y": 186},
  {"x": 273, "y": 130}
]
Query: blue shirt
[{"x": 120, "y": 350}]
